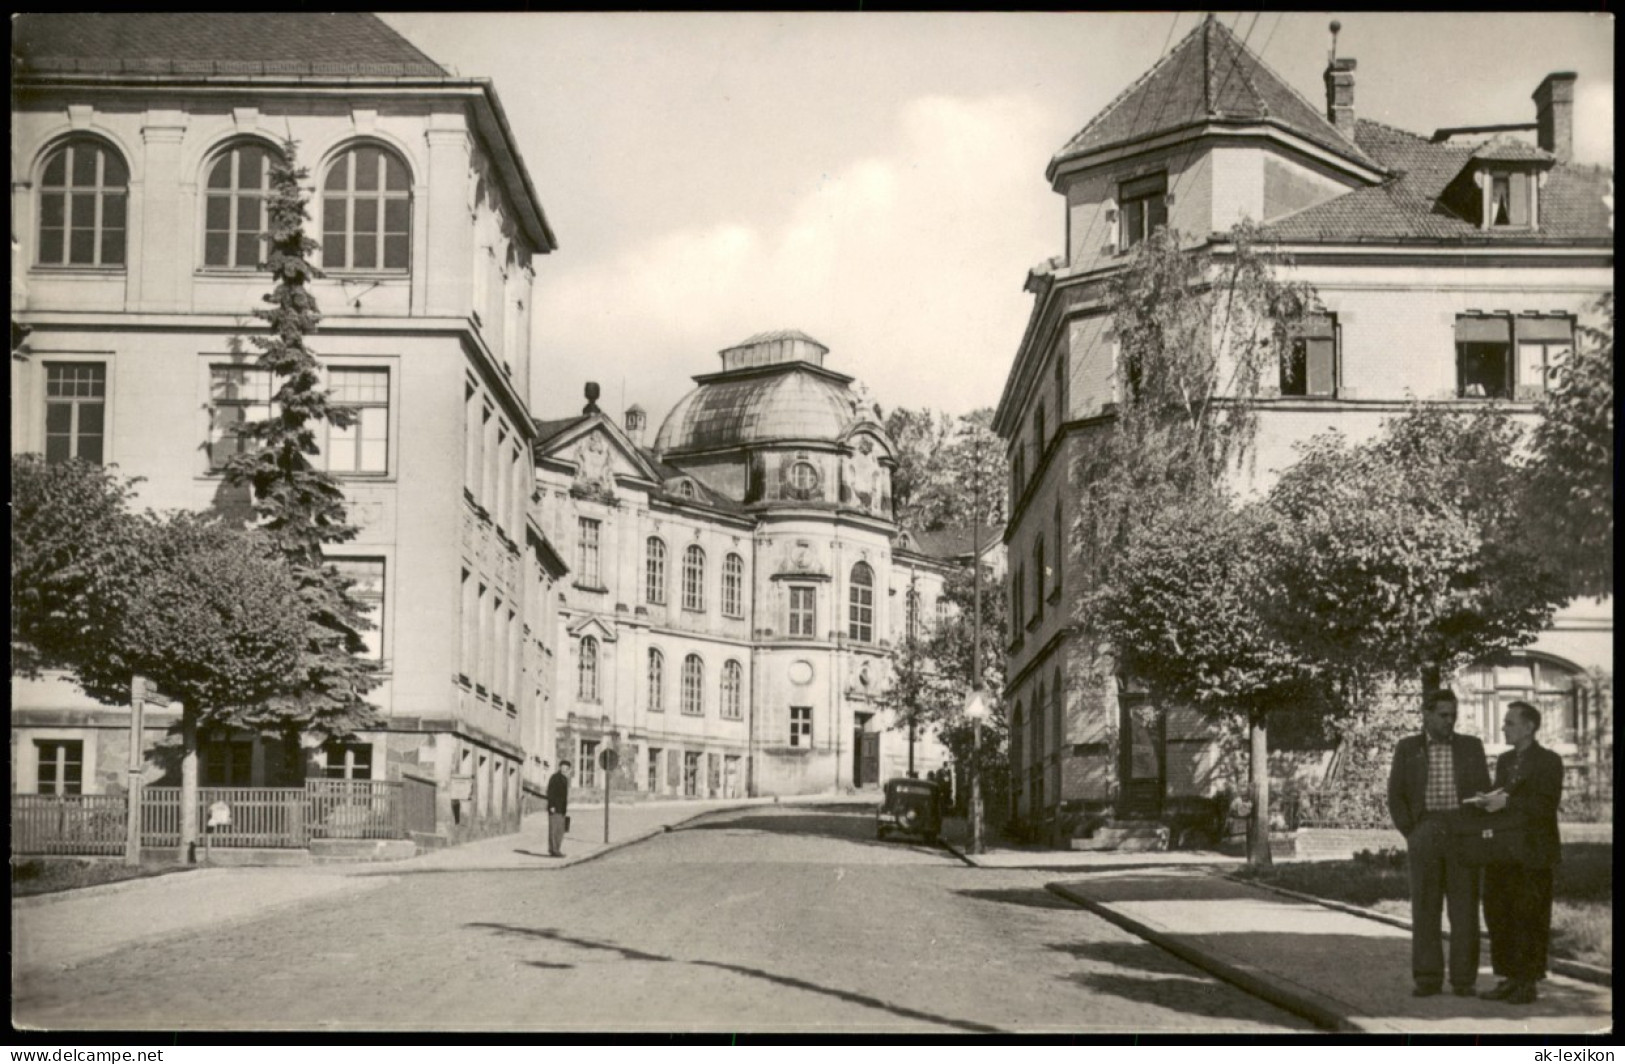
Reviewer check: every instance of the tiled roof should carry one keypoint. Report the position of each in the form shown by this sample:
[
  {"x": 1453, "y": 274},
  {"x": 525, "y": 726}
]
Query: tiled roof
[
  {"x": 1408, "y": 206},
  {"x": 1505, "y": 149},
  {"x": 703, "y": 496},
  {"x": 547, "y": 431},
  {"x": 956, "y": 542},
  {"x": 1210, "y": 75},
  {"x": 350, "y": 44}
]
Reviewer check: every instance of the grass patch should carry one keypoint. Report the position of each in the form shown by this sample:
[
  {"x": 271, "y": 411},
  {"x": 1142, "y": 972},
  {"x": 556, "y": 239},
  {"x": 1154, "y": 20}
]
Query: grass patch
[
  {"x": 1582, "y": 905},
  {"x": 47, "y": 875}
]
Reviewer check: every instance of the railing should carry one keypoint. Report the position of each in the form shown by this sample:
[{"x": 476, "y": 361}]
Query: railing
[
  {"x": 259, "y": 817},
  {"x": 67, "y": 824},
  {"x": 354, "y": 809},
  {"x": 417, "y": 805}
]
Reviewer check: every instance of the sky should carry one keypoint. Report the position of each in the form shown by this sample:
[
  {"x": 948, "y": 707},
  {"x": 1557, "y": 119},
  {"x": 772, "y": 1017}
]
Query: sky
[{"x": 877, "y": 179}]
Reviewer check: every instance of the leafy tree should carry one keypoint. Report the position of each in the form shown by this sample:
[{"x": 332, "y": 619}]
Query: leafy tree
[
  {"x": 938, "y": 459},
  {"x": 948, "y": 651},
  {"x": 71, "y": 534},
  {"x": 300, "y": 506},
  {"x": 1403, "y": 557},
  {"x": 208, "y": 613},
  {"x": 1199, "y": 331},
  {"x": 1180, "y": 613},
  {"x": 912, "y": 688},
  {"x": 1571, "y": 502}
]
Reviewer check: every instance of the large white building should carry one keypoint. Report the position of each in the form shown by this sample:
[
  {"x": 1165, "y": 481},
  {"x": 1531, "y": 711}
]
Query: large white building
[
  {"x": 1452, "y": 270},
  {"x": 737, "y": 587},
  {"x": 139, "y": 161}
]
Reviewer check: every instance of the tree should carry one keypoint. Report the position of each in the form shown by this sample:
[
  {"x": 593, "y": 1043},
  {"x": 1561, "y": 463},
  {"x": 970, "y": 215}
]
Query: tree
[
  {"x": 72, "y": 534},
  {"x": 911, "y": 689},
  {"x": 938, "y": 458},
  {"x": 1199, "y": 331},
  {"x": 1403, "y": 557},
  {"x": 1571, "y": 498},
  {"x": 300, "y": 506},
  {"x": 919, "y": 437},
  {"x": 1181, "y": 614},
  {"x": 208, "y": 613}
]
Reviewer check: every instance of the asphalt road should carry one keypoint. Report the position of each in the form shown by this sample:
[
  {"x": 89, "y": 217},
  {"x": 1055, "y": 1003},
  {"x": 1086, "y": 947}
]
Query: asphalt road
[{"x": 767, "y": 919}]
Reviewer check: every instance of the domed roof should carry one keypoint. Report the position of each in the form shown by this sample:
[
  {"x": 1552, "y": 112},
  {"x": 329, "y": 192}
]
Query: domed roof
[{"x": 773, "y": 387}]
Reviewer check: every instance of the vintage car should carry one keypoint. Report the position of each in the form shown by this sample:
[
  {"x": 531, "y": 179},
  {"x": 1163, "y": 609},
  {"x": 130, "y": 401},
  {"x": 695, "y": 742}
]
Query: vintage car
[{"x": 910, "y": 807}]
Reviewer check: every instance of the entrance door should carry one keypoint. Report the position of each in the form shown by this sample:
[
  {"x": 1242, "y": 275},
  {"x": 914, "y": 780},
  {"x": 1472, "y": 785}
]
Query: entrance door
[{"x": 1143, "y": 764}]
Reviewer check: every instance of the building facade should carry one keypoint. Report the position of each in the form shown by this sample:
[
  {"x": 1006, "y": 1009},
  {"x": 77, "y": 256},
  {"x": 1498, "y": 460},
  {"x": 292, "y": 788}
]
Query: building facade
[
  {"x": 141, "y": 149},
  {"x": 1451, "y": 269},
  {"x": 737, "y": 588}
]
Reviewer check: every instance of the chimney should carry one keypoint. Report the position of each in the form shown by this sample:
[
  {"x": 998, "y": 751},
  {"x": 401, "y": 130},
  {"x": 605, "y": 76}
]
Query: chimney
[
  {"x": 635, "y": 420},
  {"x": 1554, "y": 115},
  {"x": 1340, "y": 89}
]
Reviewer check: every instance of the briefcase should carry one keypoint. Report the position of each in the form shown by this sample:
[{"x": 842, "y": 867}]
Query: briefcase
[
  {"x": 1497, "y": 838},
  {"x": 566, "y": 823}
]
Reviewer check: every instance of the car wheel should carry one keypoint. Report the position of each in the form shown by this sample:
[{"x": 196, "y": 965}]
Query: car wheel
[{"x": 880, "y": 833}]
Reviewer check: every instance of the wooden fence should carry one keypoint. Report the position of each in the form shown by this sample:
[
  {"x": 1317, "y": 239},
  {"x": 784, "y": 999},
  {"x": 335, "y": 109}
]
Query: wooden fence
[{"x": 256, "y": 817}]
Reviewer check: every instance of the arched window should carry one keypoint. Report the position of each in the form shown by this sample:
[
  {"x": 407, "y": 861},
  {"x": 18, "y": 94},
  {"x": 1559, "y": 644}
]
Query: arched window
[
  {"x": 1038, "y": 723},
  {"x": 657, "y": 681},
  {"x": 236, "y": 192},
  {"x": 587, "y": 671},
  {"x": 654, "y": 571},
  {"x": 733, "y": 584},
  {"x": 1018, "y": 737},
  {"x": 1556, "y": 688},
  {"x": 861, "y": 604},
  {"x": 694, "y": 579},
  {"x": 693, "y": 685},
  {"x": 733, "y": 688},
  {"x": 367, "y": 212},
  {"x": 84, "y": 194}
]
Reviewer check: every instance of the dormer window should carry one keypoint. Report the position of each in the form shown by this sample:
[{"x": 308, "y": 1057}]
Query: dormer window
[
  {"x": 1144, "y": 202},
  {"x": 1510, "y": 200}
]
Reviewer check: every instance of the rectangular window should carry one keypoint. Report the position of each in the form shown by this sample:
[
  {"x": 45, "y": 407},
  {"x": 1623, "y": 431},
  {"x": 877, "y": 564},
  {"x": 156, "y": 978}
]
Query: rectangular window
[
  {"x": 348, "y": 761},
  {"x": 587, "y": 553},
  {"x": 801, "y": 726},
  {"x": 61, "y": 765},
  {"x": 654, "y": 769},
  {"x": 1483, "y": 357},
  {"x": 228, "y": 764},
  {"x": 1038, "y": 579},
  {"x": 588, "y": 762},
  {"x": 75, "y": 411},
  {"x": 803, "y": 612},
  {"x": 1144, "y": 208},
  {"x": 368, "y": 588},
  {"x": 363, "y": 447},
  {"x": 1543, "y": 344},
  {"x": 238, "y": 397},
  {"x": 691, "y": 774},
  {"x": 1310, "y": 366}
]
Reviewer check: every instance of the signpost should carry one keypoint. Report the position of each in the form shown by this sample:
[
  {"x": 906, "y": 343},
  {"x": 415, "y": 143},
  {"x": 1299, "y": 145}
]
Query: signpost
[
  {"x": 132, "y": 797},
  {"x": 976, "y": 710},
  {"x": 607, "y": 760}
]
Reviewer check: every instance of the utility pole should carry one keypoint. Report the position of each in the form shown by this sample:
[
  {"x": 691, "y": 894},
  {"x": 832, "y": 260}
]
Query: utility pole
[
  {"x": 976, "y": 707},
  {"x": 132, "y": 787}
]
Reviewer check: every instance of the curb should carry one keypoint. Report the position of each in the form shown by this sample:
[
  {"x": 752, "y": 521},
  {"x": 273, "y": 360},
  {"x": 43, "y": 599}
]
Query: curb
[
  {"x": 1585, "y": 973},
  {"x": 962, "y": 855},
  {"x": 30, "y": 901},
  {"x": 1324, "y": 1012}
]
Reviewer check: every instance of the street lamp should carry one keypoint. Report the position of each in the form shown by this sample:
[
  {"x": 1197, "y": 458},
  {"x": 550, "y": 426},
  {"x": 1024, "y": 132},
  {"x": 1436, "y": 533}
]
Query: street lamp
[{"x": 975, "y": 705}]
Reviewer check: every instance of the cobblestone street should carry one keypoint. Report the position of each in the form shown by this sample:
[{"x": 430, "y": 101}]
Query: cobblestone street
[{"x": 770, "y": 918}]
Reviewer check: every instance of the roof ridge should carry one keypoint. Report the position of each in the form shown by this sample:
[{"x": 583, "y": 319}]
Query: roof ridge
[{"x": 1136, "y": 83}]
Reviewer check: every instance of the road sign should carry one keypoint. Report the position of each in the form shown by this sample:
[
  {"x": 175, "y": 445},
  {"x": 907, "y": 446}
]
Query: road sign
[
  {"x": 608, "y": 760},
  {"x": 976, "y": 706}
]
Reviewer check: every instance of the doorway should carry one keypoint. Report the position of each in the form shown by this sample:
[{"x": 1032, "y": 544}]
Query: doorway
[
  {"x": 865, "y": 753},
  {"x": 1142, "y": 760}
]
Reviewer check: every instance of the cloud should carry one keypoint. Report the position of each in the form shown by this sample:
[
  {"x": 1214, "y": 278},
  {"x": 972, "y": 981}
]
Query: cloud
[{"x": 908, "y": 265}]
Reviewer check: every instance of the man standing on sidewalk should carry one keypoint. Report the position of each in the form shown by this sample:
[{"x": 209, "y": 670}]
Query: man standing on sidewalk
[
  {"x": 1433, "y": 773},
  {"x": 558, "y": 808}
]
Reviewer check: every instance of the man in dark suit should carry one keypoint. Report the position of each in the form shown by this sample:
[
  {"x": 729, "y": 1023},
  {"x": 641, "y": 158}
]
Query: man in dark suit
[
  {"x": 558, "y": 808},
  {"x": 1518, "y": 897},
  {"x": 1432, "y": 775}
]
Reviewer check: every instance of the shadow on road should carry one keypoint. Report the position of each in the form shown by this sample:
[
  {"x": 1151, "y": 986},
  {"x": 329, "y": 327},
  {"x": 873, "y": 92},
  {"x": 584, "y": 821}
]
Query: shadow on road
[
  {"x": 1139, "y": 955},
  {"x": 1028, "y": 897},
  {"x": 844, "y": 822},
  {"x": 548, "y": 934}
]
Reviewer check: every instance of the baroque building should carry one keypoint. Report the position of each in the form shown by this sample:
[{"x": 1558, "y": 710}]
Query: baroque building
[
  {"x": 1452, "y": 269},
  {"x": 140, "y": 160},
  {"x": 738, "y": 586}
]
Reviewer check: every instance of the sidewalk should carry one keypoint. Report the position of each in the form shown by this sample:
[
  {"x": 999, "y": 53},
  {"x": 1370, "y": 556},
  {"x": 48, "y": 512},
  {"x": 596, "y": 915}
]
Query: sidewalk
[
  {"x": 67, "y": 929},
  {"x": 1343, "y": 971}
]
